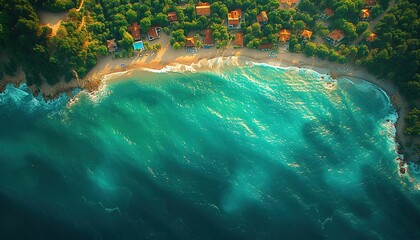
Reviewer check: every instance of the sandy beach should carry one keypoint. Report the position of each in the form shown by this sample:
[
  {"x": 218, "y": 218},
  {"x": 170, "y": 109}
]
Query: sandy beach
[{"x": 167, "y": 56}]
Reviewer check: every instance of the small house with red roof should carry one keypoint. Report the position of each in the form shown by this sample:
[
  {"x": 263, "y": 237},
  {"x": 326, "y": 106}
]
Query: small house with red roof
[
  {"x": 203, "y": 9},
  {"x": 364, "y": 14},
  {"x": 208, "y": 38},
  {"x": 326, "y": 14},
  {"x": 190, "y": 42},
  {"x": 111, "y": 45},
  {"x": 239, "y": 40},
  {"x": 335, "y": 37},
  {"x": 153, "y": 33},
  {"x": 370, "y": 3},
  {"x": 135, "y": 30},
  {"x": 264, "y": 47},
  {"x": 172, "y": 17},
  {"x": 262, "y": 18},
  {"x": 284, "y": 35},
  {"x": 306, "y": 34},
  {"x": 234, "y": 18}
]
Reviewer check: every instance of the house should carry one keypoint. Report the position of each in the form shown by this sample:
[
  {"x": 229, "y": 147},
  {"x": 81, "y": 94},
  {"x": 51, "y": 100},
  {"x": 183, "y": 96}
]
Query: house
[
  {"x": 335, "y": 37},
  {"x": 364, "y": 15},
  {"x": 190, "y": 42},
  {"x": 306, "y": 34},
  {"x": 284, "y": 35},
  {"x": 172, "y": 17},
  {"x": 326, "y": 14},
  {"x": 203, "y": 9},
  {"x": 371, "y": 38},
  {"x": 370, "y": 3},
  {"x": 239, "y": 40},
  {"x": 111, "y": 45},
  {"x": 234, "y": 18},
  {"x": 288, "y": 3},
  {"x": 208, "y": 38},
  {"x": 135, "y": 30},
  {"x": 264, "y": 46},
  {"x": 153, "y": 33},
  {"x": 262, "y": 18}
]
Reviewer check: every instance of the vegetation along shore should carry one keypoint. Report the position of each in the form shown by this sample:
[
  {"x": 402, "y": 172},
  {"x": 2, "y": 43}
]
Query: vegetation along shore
[{"x": 57, "y": 45}]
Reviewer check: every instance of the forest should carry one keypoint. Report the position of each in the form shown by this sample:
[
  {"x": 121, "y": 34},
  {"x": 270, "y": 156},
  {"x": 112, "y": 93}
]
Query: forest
[{"x": 81, "y": 39}]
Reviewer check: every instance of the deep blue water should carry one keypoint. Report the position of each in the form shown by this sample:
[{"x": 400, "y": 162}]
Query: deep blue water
[{"x": 254, "y": 152}]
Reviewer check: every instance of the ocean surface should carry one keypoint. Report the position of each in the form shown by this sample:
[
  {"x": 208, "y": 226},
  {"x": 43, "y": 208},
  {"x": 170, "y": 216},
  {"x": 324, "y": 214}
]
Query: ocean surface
[{"x": 250, "y": 152}]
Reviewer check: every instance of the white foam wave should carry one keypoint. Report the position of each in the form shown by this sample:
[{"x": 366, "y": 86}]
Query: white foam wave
[
  {"x": 22, "y": 98},
  {"x": 113, "y": 76},
  {"x": 204, "y": 64}
]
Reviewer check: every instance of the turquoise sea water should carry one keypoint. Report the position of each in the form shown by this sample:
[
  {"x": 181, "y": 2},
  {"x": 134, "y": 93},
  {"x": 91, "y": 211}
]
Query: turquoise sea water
[{"x": 254, "y": 152}]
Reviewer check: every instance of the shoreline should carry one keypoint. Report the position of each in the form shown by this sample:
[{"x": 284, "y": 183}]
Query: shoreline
[{"x": 167, "y": 57}]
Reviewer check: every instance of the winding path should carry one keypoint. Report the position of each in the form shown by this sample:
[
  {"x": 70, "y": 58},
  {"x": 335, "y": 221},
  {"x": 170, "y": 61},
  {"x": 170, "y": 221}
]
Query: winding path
[{"x": 374, "y": 22}]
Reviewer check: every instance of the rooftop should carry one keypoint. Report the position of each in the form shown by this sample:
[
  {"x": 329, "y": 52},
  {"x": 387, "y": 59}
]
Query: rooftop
[
  {"x": 190, "y": 42},
  {"x": 284, "y": 35},
  {"x": 208, "y": 38},
  {"x": 262, "y": 17},
  {"x": 111, "y": 45},
  {"x": 264, "y": 46},
  {"x": 371, "y": 37},
  {"x": 306, "y": 34},
  {"x": 152, "y": 32},
  {"x": 336, "y": 35},
  {"x": 239, "y": 40},
  {"x": 172, "y": 17},
  {"x": 365, "y": 13},
  {"x": 203, "y": 9},
  {"x": 328, "y": 12},
  {"x": 134, "y": 30}
]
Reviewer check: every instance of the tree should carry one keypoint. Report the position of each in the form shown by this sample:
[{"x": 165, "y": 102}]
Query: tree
[
  {"x": 361, "y": 27},
  {"x": 298, "y": 26},
  {"x": 322, "y": 51},
  {"x": 127, "y": 41},
  {"x": 162, "y": 19},
  {"x": 309, "y": 49},
  {"x": 333, "y": 55},
  {"x": 131, "y": 15},
  {"x": 145, "y": 24}
]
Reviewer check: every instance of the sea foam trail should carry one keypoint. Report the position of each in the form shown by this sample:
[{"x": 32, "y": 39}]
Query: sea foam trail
[{"x": 202, "y": 65}]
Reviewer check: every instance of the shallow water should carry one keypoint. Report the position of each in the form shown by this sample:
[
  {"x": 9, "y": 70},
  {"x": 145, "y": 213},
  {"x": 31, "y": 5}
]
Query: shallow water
[{"x": 251, "y": 152}]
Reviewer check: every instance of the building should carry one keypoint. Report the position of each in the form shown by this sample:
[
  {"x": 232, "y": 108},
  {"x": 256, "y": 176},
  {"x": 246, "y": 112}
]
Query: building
[
  {"x": 326, "y": 14},
  {"x": 172, "y": 17},
  {"x": 135, "y": 30},
  {"x": 239, "y": 40},
  {"x": 370, "y": 3},
  {"x": 208, "y": 38},
  {"x": 203, "y": 9},
  {"x": 153, "y": 33},
  {"x": 190, "y": 42},
  {"x": 264, "y": 47},
  {"x": 284, "y": 35},
  {"x": 371, "y": 38},
  {"x": 306, "y": 34},
  {"x": 111, "y": 45},
  {"x": 234, "y": 18},
  {"x": 365, "y": 14},
  {"x": 335, "y": 37},
  {"x": 262, "y": 18},
  {"x": 288, "y": 3}
]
